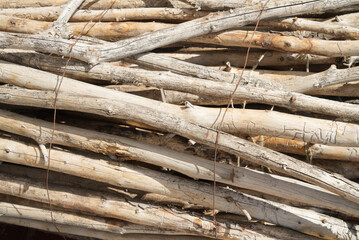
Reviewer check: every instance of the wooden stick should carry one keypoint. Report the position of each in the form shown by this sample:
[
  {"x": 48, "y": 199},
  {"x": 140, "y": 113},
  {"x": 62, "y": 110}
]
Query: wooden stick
[
  {"x": 15, "y": 210},
  {"x": 313, "y": 150},
  {"x": 192, "y": 166},
  {"x": 171, "y": 123},
  {"x": 209, "y": 58},
  {"x": 116, "y": 207},
  {"x": 211, "y": 23},
  {"x": 91, "y": 233},
  {"x": 269, "y": 232},
  {"x": 172, "y": 97},
  {"x": 252, "y": 122},
  {"x": 247, "y": 121},
  {"x": 237, "y": 38},
  {"x": 113, "y": 30},
  {"x": 150, "y": 215},
  {"x": 337, "y": 30},
  {"x": 222, "y": 4},
  {"x": 81, "y": 70},
  {"x": 112, "y": 15},
  {"x": 290, "y": 100},
  {"x": 88, "y": 4},
  {"x": 349, "y": 19},
  {"x": 121, "y": 227},
  {"x": 270, "y": 41},
  {"x": 262, "y": 78},
  {"x": 329, "y": 77},
  {"x": 59, "y": 26}
]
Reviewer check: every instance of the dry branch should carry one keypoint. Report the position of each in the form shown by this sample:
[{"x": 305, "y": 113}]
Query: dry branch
[
  {"x": 239, "y": 38},
  {"x": 81, "y": 70},
  {"x": 252, "y": 122},
  {"x": 90, "y": 233},
  {"x": 310, "y": 150},
  {"x": 349, "y": 19},
  {"x": 113, "y": 30},
  {"x": 130, "y": 210},
  {"x": 89, "y": 4},
  {"x": 116, "y": 207},
  {"x": 131, "y": 178},
  {"x": 14, "y": 210},
  {"x": 270, "y": 41},
  {"x": 169, "y": 122},
  {"x": 345, "y": 168},
  {"x": 337, "y": 30},
  {"x": 59, "y": 26},
  {"x": 329, "y": 77},
  {"x": 13, "y": 74},
  {"x": 211, "y": 23},
  {"x": 195, "y": 167},
  {"x": 112, "y": 15}
]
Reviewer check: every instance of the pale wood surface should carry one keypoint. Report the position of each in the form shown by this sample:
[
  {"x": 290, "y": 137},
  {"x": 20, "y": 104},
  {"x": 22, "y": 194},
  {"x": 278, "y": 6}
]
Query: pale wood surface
[
  {"x": 169, "y": 122},
  {"x": 192, "y": 166}
]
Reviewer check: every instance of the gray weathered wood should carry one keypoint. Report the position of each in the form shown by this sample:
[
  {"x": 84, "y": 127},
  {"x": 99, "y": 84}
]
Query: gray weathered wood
[
  {"x": 113, "y": 15},
  {"x": 329, "y": 77},
  {"x": 303, "y": 220},
  {"x": 212, "y": 23},
  {"x": 13, "y": 74},
  {"x": 169, "y": 122},
  {"x": 337, "y": 30},
  {"x": 192, "y": 166}
]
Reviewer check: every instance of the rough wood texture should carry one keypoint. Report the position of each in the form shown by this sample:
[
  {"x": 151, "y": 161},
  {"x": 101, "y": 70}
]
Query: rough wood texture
[
  {"x": 252, "y": 122},
  {"x": 214, "y": 22},
  {"x": 195, "y": 167},
  {"x": 112, "y": 15},
  {"x": 118, "y": 207},
  {"x": 115, "y": 207},
  {"x": 294, "y": 101},
  {"x": 310, "y": 150},
  {"x": 129, "y": 210},
  {"x": 329, "y": 77},
  {"x": 90, "y": 4},
  {"x": 337, "y": 30},
  {"x": 156, "y": 154},
  {"x": 67, "y": 230},
  {"x": 15, "y": 210},
  {"x": 171, "y": 123},
  {"x": 329, "y": 48}
]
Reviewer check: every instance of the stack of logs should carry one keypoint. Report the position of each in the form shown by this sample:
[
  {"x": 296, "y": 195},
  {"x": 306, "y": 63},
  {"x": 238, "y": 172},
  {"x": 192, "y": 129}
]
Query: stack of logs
[{"x": 135, "y": 119}]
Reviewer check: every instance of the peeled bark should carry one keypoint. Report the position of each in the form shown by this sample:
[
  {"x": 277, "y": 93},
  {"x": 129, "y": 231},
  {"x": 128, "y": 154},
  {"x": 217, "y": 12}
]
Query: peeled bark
[
  {"x": 269, "y": 41},
  {"x": 112, "y": 15},
  {"x": 310, "y": 150},
  {"x": 214, "y": 22},
  {"x": 15, "y": 210},
  {"x": 154, "y": 216},
  {"x": 337, "y": 30},
  {"x": 169, "y": 122},
  {"x": 13, "y": 74},
  {"x": 89, "y": 4},
  {"x": 194, "y": 167},
  {"x": 117, "y": 207},
  {"x": 277, "y": 42}
]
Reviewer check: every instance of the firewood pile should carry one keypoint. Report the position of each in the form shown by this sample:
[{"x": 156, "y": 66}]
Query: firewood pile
[{"x": 180, "y": 119}]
